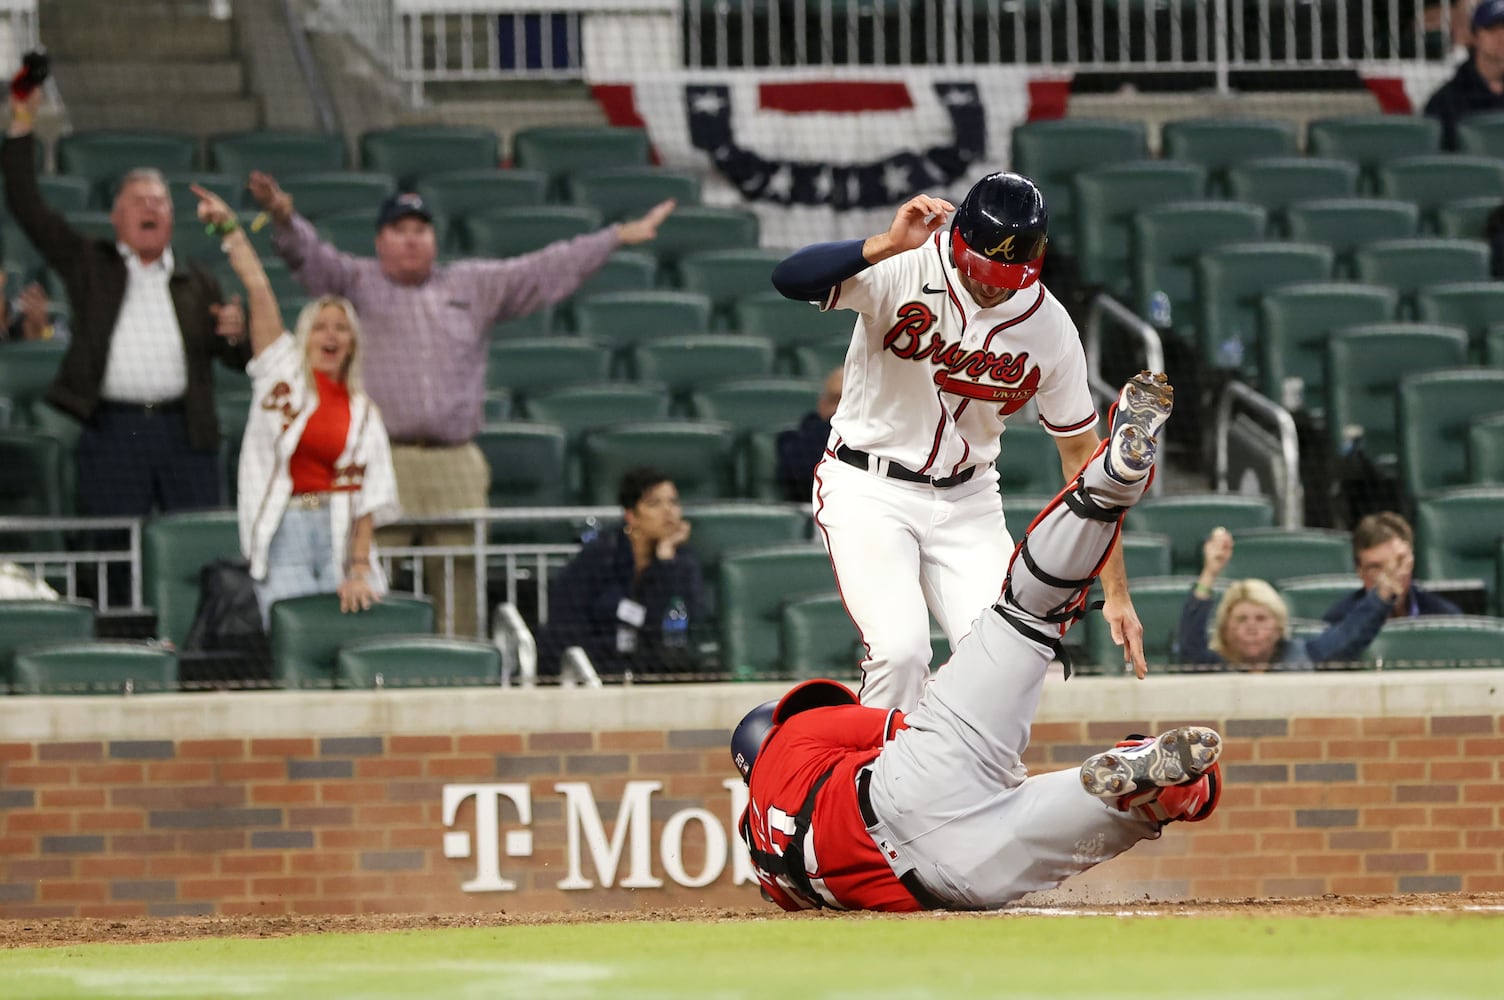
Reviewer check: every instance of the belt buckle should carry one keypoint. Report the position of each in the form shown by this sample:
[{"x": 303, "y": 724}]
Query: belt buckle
[{"x": 310, "y": 501}]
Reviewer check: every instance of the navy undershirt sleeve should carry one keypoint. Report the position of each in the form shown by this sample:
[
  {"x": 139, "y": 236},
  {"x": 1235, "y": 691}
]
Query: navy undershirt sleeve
[{"x": 808, "y": 275}]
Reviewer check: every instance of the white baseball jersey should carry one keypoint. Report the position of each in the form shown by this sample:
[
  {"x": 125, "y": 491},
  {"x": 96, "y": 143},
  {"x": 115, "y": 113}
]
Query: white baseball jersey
[{"x": 930, "y": 378}]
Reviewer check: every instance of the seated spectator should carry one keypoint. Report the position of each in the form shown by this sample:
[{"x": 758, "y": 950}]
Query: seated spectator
[
  {"x": 315, "y": 473},
  {"x": 630, "y": 597},
  {"x": 1251, "y": 628},
  {"x": 800, "y": 448},
  {"x": 29, "y": 317},
  {"x": 1379, "y": 541},
  {"x": 1478, "y": 84}
]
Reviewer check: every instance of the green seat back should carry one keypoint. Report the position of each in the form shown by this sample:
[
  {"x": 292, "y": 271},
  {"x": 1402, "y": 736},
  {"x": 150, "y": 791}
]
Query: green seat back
[
  {"x": 1020, "y": 509},
  {"x": 103, "y": 156},
  {"x": 757, "y": 404},
  {"x": 1364, "y": 365},
  {"x": 20, "y": 258},
  {"x": 1472, "y": 305},
  {"x": 524, "y": 365},
  {"x": 1311, "y": 596},
  {"x": 1436, "y": 409},
  {"x": 454, "y": 195},
  {"x": 92, "y": 224},
  {"x": 174, "y": 548},
  {"x": 1373, "y": 139},
  {"x": 1189, "y": 518},
  {"x": 759, "y": 459},
  {"x": 1029, "y": 461},
  {"x": 27, "y": 369},
  {"x": 1493, "y": 345},
  {"x": 509, "y": 232},
  {"x": 1145, "y": 553},
  {"x": 31, "y": 485},
  {"x": 722, "y": 528},
  {"x": 560, "y": 151},
  {"x": 1233, "y": 280},
  {"x": 593, "y": 405},
  {"x": 26, "y": 623},
  {"x": 1410, "y": 265},
  {"x": 753, "y": 586},
  {"x": 1457, "y": 535},
  {"x": 1277, "y": 554},
  {"x": 622, "y": 319},
  {"x": 353, "y": 230},
  {"x": 94, "y": 667},
  {"x": 65, "y": 193},
  {"x": 1296, "y": 322},
  {"x": 1167, "y": 241},
  {"x": 1345, "y": 224},
  {"x": 699, "y": 456},
  {"x": 788, "y": 324},
  {"x": 728, "y": 276},
  {"x": 417, "y": 661},
  {"x": 1219, "y": 144},
  {"x": 622, "y": 193},
  {"x": 1281, "y": 182},
  {"x": 1465, "y": 218},
  {"x": 307, "y": 633},
  {"x": 538, "y": 323},
  {"x": 1438, "y": 642},
  {"x": 696, "y": 229},
  {"x": 180, "y": 189},
  {"x": 1485, "y": 450},
  {"x": 279, "y": 153},
  {"x": 1158, "y": 601},
  {"x": 624, "y": 271},
  {"x": 527, "y": 463},
  {"x": 818, "y": 359},
  {"x": 690, "y": 364},
  {"x": 1430, "y": 181},
  {"x": 1053, "y": 152},
  {"x": 412, "y": 152},
  {"x": 819, "y": 639},
  {"x": 1107, "y": 198},
  {"x": 1481, "y": 134},
  {"x": 318, "y": 194}
]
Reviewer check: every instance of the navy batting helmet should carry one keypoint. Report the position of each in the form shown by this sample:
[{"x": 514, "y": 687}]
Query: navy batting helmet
[
  {"x": 997, "y": 236},
  {"x": 748, "y": 736}
]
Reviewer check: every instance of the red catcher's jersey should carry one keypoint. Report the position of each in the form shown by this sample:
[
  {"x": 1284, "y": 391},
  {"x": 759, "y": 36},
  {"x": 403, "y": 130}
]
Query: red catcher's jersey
[{"x": 843, "y": 863}]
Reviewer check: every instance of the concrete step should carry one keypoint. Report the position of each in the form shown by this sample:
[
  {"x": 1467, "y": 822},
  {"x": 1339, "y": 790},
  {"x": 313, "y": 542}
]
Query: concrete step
[
  {"x": 186, "y": 114},
  {"x": 110, "y": 37},
  {"x": 98, "y": 82}
]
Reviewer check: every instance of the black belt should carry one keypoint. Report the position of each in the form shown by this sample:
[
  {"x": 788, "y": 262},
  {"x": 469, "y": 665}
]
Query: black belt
[
  {"x": 146, "y": 409},
  {"x": 928, "y": 900},
  {"x": 859, "y": 459},
  {"x": 425, "y": 443}
]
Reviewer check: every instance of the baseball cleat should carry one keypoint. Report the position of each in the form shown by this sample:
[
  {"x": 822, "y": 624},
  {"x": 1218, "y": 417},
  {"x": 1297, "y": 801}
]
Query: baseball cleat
[
  {"x": 1178, "y": 757},
  {"x": 1141, "y": 411}
]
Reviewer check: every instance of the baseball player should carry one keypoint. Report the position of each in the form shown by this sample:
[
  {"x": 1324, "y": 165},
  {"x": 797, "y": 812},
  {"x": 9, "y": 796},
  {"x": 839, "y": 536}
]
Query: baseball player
[
  {"x": 855, "y": 807},
  {"x": 955, "y": 332}
]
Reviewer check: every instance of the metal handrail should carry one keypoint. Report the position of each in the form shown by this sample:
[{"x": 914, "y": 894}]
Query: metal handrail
[
  {"x": 1105, "y": 308},
  {"x": 1292, "y": 502}
]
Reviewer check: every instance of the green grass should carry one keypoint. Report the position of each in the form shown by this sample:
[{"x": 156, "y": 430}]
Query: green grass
[{"x": 1429, "y": 956}]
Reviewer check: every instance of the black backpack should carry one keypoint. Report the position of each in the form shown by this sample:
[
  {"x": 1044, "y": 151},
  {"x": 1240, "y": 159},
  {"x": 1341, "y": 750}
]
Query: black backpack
[{"x": 228, "y": 620}]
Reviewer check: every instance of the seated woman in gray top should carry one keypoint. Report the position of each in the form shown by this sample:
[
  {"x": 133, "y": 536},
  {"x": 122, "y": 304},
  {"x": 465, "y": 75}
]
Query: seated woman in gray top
[{"x": 1251, "y": 627}]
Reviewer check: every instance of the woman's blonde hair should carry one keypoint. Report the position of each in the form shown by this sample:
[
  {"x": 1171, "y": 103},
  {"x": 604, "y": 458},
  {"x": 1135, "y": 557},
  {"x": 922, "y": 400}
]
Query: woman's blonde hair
[
  {"x": 304, "y": 330},
  {"x": 1255, "y": 592}
]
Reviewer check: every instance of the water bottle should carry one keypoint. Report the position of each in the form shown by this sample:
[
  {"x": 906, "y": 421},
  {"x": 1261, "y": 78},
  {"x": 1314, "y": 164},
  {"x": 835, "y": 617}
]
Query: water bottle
[
  {"x": 1159, "y": 310},
  {"x": 1230, "y": 353},
  {"x": 676, "y": 624}
]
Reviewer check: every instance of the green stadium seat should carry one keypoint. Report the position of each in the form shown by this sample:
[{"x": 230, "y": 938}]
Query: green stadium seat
[
  {"x": 1438, "y": 642},
  {"x": 1029, "y": 461},
  {"x": 1345, "y": 224},
  {"x": 1219, "y": 144},
  {"x": 759, "y": 463},
  {"x": 624, "y": 271},
  {"x": 787, "y": 325},
  {"x": 174, "y": 548},
  {"x": 65, "y": 193},
  {"x": 1493, "y": 345},
  {"x": 1053, "y": 152},
  {"x": 1233, "y": 280},
  {"x": 624, "y": 319},
  {"x": 1145, "y": 553},
  {"x": 103, "y": 156},
  {"x": 17, "y": 255},
  {"x": 560, "y": 151},
  {"x": 1188, "y": 519},
  {"x": 1310, "y": 596},
  {"x": 1410, "y": 265},
  {"x": 308, "y": 632},
  {"x": 818, "y": 638},
  {"x": 94, "y": 667},
  {"x": 27, "y": 369},
  {"x": 276, "y": 152},
  {"x": 1167, "y": 241},
  {"x": 538, "y": 323},
  {"x": 719, "y": 529},
  {"x": 1481, "y": 134},
  {"x": 757, "y": 404},
  {"x": 1465, "y": 218},
  {"x": 699, "y": 456},
  {"x": 1158, "y": 601},
  {"x": 316, "y": 195},
  {"x": 25, "y": 623},
  {"x": 1485, "y": 450},
  {"x": 1020, "y": 509},
  {"x": 417, "y": 661},
  {"x": 1436, "y": 409},
  {"x": 1277, "y": 554},
  {"x": 454, "y": 195},
  {"x": 1297, "y": 320},
  {"x": 728, "y": 276},
  {"x": 1431, "y": 181},
  {"x": 31, "y": 485},
  {"x": 592, "y": 406},
  {"x": 1107, "y": 198},
  {"x": 523, "y": 366},
  {"x": 623, "y": 193},
  {"x": 1364, "y": 365},
  {"x": 819, "y": 359},
  {"x": 753, "y": 587},
  {"x": 1372, "y": 140},
  {"x": 508, "y": 232},
  {"x": 694, "y": 363},
  {"x": 526, "y": 460},
  {"x": 1472, "y": 305},
  {"x": 412, "y": 152},
  {"x": 698, "y": 229},
  {"x": 353, "y": 231},
  {"x": 91, "y": 224},
  {"x": 1457, "y": 535},
  {"x": 1279, "y": 183}
]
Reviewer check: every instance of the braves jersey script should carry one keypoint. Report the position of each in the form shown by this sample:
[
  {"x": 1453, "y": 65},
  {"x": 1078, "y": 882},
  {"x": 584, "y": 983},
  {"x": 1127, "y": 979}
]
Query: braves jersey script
[
  {"x": 844, "y": 864},
  {"x": 929, "y": 377}
]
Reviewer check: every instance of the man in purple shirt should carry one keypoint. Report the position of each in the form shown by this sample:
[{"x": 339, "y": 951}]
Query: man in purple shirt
[{"x": 425, "y": 344}]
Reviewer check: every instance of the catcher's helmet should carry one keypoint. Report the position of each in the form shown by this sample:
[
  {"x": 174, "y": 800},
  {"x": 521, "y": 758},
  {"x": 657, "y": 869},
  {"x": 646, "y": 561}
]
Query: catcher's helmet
[
  {"x": 747, "y": 738},
  {"x": 997, "y": 236}
]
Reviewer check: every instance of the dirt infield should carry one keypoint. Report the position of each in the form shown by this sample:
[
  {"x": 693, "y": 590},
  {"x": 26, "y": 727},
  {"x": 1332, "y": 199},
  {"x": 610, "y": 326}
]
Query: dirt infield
[{"x": 55, "y": 932}]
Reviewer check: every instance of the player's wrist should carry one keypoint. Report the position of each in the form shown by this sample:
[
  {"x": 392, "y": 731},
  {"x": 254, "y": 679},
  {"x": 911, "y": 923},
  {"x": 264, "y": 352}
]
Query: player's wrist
[{"x": 877, "y": 248}]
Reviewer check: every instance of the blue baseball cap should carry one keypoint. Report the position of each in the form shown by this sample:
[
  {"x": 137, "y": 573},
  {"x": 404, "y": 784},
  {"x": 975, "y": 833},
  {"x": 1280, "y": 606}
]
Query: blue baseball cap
[
  {"x": 1488, "y": 14},
  {"x": 405, "y": 204}
]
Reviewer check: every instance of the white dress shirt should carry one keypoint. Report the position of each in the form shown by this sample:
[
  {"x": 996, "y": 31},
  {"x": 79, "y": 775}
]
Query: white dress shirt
[{"x": 147, "y": 363}]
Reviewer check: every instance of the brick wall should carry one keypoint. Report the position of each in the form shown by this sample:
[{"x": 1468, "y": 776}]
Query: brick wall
[{"x": 348, "y": 822}]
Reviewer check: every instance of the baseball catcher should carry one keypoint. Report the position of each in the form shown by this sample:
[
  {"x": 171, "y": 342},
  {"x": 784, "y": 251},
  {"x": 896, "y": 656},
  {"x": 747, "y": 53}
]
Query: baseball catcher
[{"x": 862, "y": 808}]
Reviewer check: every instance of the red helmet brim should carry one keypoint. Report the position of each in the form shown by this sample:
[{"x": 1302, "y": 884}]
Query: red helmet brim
[{"x": 993, "y": 273}]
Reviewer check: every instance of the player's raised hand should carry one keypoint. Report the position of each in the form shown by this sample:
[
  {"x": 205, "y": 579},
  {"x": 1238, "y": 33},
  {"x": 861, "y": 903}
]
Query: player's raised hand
[{"x": 914, "y": 222}]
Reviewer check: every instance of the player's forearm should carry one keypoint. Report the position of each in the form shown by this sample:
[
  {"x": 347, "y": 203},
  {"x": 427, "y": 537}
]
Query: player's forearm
[
  {"x": 1114, "y": 576},
  {"x": 809, "y": 274}
]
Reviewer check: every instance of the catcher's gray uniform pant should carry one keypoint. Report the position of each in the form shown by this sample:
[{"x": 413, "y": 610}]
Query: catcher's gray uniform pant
[{"x": 951, "y": 798}]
